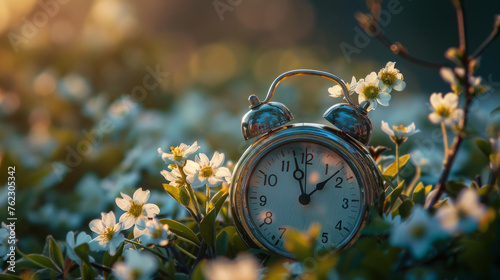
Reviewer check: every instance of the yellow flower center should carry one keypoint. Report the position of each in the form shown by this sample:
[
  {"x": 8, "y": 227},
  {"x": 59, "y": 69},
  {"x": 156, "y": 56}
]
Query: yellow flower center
[
  {"x": 401, "y": 128},
  {"x": 177, "y": 152},
  {"x": 371, "y": 92},
  {"x": 443, "y": 111},
  {"x": 206, "y": 171},
  {"x": 388, "y": 78},
  {"x": 136, "y": 210},
  {"x": 418, "y": 231},
  {"x": 108, "y": 234}
]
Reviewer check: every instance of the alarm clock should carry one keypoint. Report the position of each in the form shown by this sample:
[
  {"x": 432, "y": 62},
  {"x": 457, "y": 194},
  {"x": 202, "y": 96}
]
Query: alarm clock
[{"x": 296, "y": 175}]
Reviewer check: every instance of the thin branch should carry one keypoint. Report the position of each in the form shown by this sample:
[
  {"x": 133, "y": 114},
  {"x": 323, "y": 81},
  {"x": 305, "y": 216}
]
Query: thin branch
[
  {"x": 441, "y": 186},
  {"x": 101, "y": 267},
  {"x": 371, "y": 26},
  {"x": 486, "y": 43}
]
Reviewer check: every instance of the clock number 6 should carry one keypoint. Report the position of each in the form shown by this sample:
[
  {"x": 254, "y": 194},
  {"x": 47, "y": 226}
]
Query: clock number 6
[{"x": 268, "y": 220}]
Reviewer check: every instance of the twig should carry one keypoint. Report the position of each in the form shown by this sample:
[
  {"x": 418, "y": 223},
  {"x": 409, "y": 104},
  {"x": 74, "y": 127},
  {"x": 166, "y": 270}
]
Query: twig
[
  {"x": 101, "y": 267},
  {"x": 180, "y": 261},
  {"x": 468, "y": 99},
  {"x": 485, "y": 44},
  {"x": 396, "y": 47}
]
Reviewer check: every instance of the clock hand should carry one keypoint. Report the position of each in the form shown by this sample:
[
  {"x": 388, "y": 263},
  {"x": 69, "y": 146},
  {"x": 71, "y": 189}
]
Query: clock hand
[
  {"x": 321, "y": 185},
  {"x": 305, "y": 172},
  {"x": 298, "y": 174}
]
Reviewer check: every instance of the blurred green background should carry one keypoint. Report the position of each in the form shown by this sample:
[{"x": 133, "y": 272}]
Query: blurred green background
[{"x": 71, "y": 73}]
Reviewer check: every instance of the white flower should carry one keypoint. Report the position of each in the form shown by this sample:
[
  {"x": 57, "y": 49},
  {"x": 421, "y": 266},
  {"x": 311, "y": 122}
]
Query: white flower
[
  {"x": 244, "y": 267},
  {"x": 173, "y": 177},
  {"x": 399, "y": 133},
  {"x": 463, "y": 216},
  {"x": 336, "y": 91},
  {"x": 137, "y": 211},
  {"x": 372, "y": 89},
  {"x": 156, "y": 233},
  {"x": 137, "y": 266},
  {"x": 395, "y": 221},
  {"x": 205, "y": 171},
  {"x": 417, "y": 233},
  {"x": 71, "y": 244},
  {"x": 179, "y": 153},
  {"x": 445, "y": 109},
  {"x": 391, "y": 77},
  {"x": 4, "y": 241},
  {"x": 109, "y": 237}
]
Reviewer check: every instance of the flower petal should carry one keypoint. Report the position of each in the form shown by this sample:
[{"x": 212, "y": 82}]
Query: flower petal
[
  {"x": 435, "y": 118},
  {"x": 127, "y": 220},
  {"x": 451, "y": 100},
  {"x": 141, "y": 196},
  {"x": 399, "y": 85},
  {"x": 203, "y": 159},
  {"x": 108, "y": 219},
  {"x": 387, "y": 129},
  {"x": 383, "y": 98},
  {"x": 123, "y": 203},
  {"x": 96, "y": 226},
  {"x": 151, "y": 209},
  {"x": 217, "y": 159},
  {"x": 436, "y": 99}
]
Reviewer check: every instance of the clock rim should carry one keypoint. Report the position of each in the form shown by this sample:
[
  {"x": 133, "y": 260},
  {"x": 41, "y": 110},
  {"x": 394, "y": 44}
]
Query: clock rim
[{"x": 352, "y": 151}]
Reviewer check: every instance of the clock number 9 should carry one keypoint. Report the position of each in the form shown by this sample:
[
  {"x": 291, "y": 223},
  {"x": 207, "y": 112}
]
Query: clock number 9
[
  {"x": 272, "y": 180},
  {"x": 268, "y": 220},
  {"x": 263, "y": 200}
]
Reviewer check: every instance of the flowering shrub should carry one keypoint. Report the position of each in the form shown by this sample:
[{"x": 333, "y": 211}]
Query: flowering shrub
[{"x": 444, "y": 229}]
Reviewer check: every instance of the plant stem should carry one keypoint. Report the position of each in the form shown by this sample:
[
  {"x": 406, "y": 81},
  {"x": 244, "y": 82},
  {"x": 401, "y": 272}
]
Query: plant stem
[
  {"x": 445, "y": 142},
  {"x": 450, "y": 158},
  {"x": 397, "y": 162},
  {"x": 191, "y": 194},
  {"x": 485, "y": 44},
  {"x": 185, "y": 252},
  {"x": 101, "y": 267},
  {"x": 147, "y": 249}
]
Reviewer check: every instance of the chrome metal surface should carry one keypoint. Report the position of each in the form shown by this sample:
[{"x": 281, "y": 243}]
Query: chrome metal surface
[
  {"x": 350, "y": 121},
  {"x": 353, "y": 152},
  {"x": 264, "y": 118}
]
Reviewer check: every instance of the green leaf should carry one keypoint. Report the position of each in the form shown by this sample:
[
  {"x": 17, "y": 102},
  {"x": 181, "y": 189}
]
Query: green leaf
[
  {"x": 392, "y": 170},
  {"x": 182, "y": 231},
  {"x": 484, "y": 146},
  {"x": 207, "y": 227},
  {"x": 109, "y": 260},
  {"x": 179, "y": 194},
  {"x": 418, "y": 195},
  {"x": 6, "y": 276},
  {"x": 221, "y": 243},
  {"x": 86, "y": 271},
  {"x": 43, "y": 262},
  {"x": 82, "y": 251},
  {"x": 393, "y": 196},
  {"x": 218, "y": 200},
  {"x": 405, "y": 208},
  {"x": 55, "y": 252},
  {"x": 453, "y": 188}
]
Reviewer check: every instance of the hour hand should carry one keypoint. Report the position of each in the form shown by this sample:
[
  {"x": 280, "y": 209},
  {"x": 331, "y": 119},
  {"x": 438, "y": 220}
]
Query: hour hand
[{"x": 321, "y": 185}]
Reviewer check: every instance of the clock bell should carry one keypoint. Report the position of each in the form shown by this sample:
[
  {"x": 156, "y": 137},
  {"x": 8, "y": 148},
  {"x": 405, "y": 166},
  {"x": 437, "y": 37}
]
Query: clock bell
[{"x": 266, "y": 116}]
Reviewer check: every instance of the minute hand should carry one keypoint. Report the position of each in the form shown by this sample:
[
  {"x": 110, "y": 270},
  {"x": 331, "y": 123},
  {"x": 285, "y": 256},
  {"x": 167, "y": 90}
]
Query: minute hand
[{"x": 321, "y": 185}]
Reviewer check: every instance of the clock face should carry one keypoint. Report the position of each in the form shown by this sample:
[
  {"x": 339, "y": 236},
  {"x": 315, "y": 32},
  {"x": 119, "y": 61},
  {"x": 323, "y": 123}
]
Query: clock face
[{"x": 300, "y": 183}]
